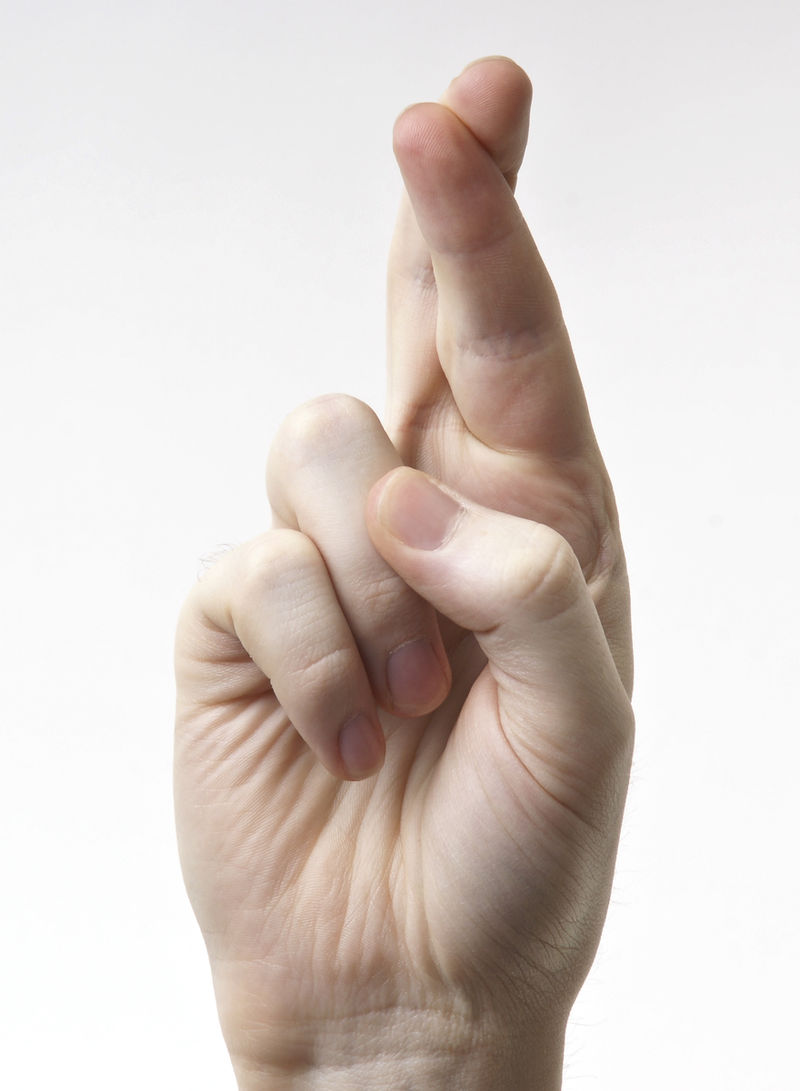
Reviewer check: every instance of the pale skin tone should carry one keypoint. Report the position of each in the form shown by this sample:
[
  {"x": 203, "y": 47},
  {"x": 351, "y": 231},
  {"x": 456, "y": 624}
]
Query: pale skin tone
[{"x": 401, "y": 862}]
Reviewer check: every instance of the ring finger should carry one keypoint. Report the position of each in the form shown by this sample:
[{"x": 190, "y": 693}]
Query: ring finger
[{"x": 326, "y": 457}]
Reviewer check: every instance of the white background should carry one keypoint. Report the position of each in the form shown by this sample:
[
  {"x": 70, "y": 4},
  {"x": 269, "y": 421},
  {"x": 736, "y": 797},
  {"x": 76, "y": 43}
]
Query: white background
[{"x": 195, "y": 206}]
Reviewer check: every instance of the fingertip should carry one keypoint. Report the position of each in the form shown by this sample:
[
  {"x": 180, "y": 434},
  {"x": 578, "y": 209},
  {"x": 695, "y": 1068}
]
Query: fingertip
[
  {"x": 375, "y": 497},
  {"x": 503, "y": 73},
  {"x": 418, "y": 678},
  {"x": 424, "y": 132},
  {"x": 492, "y": 97},
  {"x": 414, "y": 510},
  {"x": 361, "y": 747}
]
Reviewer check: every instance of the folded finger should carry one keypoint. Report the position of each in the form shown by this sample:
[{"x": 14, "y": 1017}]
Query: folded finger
[
  {"x": 265, "y": 620},
  {"x": 324, "y": 461}
]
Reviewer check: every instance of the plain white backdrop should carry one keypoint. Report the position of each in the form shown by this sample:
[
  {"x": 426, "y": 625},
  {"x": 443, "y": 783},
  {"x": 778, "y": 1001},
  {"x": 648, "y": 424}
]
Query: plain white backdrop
[{"x": 196, "y": 200}]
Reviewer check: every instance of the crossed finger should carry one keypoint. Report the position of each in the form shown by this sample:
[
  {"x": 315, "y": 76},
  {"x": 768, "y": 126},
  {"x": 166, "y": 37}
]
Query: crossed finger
[
  {"x": 492, "y": 97},
  {"x": 472, "y": 309}
]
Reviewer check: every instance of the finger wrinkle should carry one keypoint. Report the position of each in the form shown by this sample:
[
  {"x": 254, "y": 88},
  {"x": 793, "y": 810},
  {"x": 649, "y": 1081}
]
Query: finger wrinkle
[
  {"x": 419, "y": 275},
  {"x": 471, "y": 225}
]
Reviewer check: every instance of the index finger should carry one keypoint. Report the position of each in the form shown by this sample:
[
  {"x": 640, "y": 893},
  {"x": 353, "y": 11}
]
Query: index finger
[{"x": 501, "y": 337}]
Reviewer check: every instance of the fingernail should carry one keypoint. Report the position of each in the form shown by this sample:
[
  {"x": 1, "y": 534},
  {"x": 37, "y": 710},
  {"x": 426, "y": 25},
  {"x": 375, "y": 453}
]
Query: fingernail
[
  {"x": 360, "y": 747},
  {"x": 416, "y": 511},
  {"x": 415, "y": 677}
]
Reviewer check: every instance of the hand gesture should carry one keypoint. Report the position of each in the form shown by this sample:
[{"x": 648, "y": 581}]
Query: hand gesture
[{"x": 403, "y": 727}]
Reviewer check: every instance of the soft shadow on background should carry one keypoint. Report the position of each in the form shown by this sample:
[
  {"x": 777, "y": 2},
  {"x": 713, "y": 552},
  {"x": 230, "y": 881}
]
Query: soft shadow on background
[{"x": 196, "y": 201}]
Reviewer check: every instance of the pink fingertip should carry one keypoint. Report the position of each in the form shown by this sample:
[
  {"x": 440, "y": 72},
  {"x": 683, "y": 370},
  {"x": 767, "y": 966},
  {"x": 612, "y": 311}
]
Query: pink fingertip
[{"x": 361, "y": 747}]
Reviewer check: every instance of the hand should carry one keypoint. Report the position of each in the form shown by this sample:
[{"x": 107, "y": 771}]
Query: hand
[{"x": 431, "y": 923}]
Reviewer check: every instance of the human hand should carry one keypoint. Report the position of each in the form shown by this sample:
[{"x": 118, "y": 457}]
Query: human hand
[{"x": 433, "y": 922}]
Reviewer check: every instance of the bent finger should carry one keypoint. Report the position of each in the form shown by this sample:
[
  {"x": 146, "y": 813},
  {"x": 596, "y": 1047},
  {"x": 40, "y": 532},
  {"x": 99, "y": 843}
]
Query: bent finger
[
  {"x": 326, "y": 457},
  {"x": 266, "y": 619}
]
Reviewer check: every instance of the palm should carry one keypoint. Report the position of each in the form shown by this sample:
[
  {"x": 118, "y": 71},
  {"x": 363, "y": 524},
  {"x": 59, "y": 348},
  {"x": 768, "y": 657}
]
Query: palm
[{"x": 337, "y": 896}]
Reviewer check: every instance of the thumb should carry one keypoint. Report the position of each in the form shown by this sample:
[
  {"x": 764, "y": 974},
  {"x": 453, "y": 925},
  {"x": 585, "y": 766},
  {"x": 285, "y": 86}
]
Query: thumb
[{"x": 518, "y": 586}]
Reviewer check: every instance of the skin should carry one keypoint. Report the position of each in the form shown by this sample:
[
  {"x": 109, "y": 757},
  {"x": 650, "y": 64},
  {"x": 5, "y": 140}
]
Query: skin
[{"x": 403, "y": 725}]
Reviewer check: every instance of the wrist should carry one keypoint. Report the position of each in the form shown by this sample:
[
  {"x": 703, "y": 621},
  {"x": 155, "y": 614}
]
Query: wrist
[{"x": 402, "y": 1051}]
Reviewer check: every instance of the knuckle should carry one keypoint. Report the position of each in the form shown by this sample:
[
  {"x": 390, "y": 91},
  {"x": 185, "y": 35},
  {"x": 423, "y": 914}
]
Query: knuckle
[
  {"x": 548, "y": 575},
  {"x": 321, "y": 671},
  {"x": 271, "y": 562},
  {"x": 383, "y": 593},
  {"x": 318, "y": 429}
]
